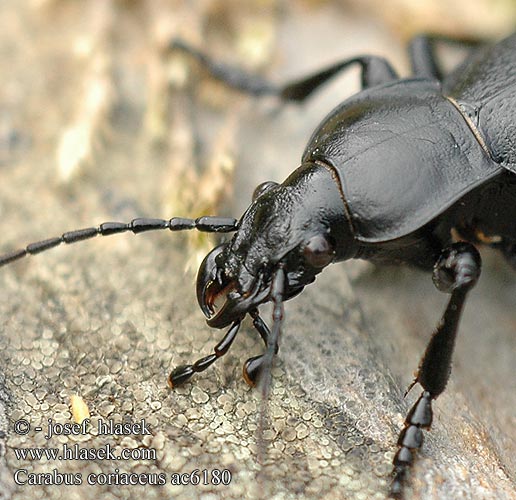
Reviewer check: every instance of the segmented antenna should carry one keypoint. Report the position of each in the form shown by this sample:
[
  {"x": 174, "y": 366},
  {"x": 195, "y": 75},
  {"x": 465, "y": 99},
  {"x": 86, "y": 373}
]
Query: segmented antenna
[{"x": 207, "y": 224}]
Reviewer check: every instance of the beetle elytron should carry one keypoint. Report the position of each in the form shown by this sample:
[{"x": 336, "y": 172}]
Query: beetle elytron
[{"x": 413, "y": 171}]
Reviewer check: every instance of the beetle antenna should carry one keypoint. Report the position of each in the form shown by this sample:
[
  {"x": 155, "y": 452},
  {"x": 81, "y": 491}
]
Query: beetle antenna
[
  {"x": 208, "y": 224},
  {"x": 276, "y": 295}
]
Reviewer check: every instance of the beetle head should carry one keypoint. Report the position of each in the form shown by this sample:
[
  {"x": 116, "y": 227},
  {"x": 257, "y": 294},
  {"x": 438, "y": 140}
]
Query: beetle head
[{"x": 299, "y": 225}]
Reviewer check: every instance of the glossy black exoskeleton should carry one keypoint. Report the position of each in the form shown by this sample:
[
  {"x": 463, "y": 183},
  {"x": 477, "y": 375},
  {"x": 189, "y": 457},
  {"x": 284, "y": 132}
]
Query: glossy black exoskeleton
[{"x": 414, "y": 171}]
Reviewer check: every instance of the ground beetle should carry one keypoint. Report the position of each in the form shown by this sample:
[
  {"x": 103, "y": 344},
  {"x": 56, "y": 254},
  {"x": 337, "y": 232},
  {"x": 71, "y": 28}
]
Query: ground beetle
[{"x": 413, "y": 171}]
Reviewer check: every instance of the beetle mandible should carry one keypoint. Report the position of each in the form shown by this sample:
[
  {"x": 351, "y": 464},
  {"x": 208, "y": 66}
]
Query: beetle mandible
[{"x": 402, "y": 172}]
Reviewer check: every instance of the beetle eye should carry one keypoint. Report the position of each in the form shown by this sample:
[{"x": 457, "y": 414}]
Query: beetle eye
[
  {"x": 318, "y": 251},
  {"x": 263, "y": 188}
]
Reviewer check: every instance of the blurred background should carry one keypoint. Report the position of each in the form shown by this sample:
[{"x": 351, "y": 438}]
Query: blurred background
[{"x": 100, "y": 121}]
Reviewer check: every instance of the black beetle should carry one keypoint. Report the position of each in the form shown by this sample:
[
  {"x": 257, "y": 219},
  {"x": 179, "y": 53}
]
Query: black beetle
[{"x": 413, "y": 171}]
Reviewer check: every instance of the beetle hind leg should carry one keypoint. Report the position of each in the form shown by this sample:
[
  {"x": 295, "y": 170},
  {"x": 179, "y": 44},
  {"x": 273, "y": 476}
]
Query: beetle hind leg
[
  {"x": 456, "y": 272},
  {"x": 374, "y": 70}
]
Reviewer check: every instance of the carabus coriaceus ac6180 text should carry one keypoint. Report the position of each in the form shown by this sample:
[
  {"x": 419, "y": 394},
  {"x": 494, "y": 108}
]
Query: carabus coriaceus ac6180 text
[{"x": 413, "y": 171}]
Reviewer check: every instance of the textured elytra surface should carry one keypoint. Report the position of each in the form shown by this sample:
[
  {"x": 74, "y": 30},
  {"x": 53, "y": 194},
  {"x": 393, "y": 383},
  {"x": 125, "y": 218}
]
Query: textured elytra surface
[{"x": 108, "y": 319}]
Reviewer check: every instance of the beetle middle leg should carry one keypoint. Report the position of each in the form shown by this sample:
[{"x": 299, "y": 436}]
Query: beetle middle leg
[
  {"x": 374, "y": 71},
  {"x": 456, "y": 272}
]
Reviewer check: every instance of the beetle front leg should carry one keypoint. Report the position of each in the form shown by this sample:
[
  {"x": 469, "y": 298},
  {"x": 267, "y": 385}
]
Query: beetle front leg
[
  {"x": 456, "y": 272},
  {"x": 253, "y": 366},
  {"x": 182, "y": 373}
]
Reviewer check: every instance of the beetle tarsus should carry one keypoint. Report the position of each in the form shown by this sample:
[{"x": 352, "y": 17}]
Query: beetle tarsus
[
  {"x": 252, "y": 370},
  {"x": 410, "y": 439},
  {"x": 182, "y": 373}
]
